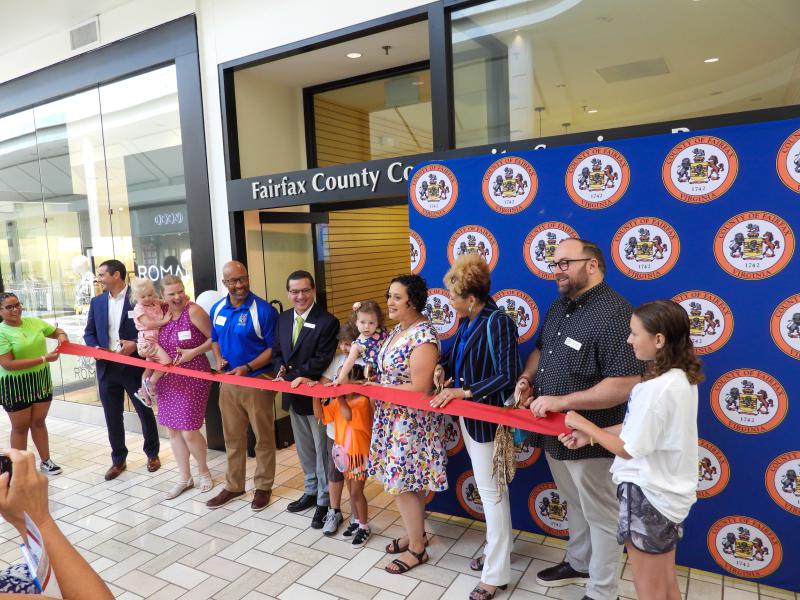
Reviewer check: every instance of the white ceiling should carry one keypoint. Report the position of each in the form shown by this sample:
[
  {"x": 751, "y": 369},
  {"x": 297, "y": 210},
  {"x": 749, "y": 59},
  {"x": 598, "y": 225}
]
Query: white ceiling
[{"x": 41, "y": 18}]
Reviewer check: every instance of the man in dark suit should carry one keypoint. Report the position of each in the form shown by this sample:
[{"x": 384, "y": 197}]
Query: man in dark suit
[
  {"x": 110, "y": 326},
  {"x": 304, "y": 347}
]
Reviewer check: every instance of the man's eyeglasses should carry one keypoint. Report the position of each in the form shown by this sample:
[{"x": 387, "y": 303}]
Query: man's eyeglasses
[
  {"x": 304, "y": 291},
  {"x": 564, "y": 263},
  {"x": 16, "y": 306},
  {"x": 236, "y": 281}
]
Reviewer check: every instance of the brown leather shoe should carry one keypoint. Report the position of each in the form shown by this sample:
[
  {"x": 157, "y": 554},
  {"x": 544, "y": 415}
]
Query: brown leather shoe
[
  {"x": 223, "y": 498},
  {"x": 115, "y": 471},
  {"x": 260, "y": 500},
  {"x": 153, "y": 464}
]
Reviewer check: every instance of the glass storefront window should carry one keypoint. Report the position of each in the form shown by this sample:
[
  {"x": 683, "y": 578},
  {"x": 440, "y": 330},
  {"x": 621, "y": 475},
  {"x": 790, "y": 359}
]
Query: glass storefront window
[
  {"x": 92, "y": 176},
  {"x": 524, "y": 69},
  {"x": 382, "y": 118}
]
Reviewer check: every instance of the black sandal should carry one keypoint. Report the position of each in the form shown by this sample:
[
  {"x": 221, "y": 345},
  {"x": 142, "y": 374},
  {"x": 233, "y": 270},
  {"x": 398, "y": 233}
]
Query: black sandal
[
  {"x": 479, "y": 593},
  {"x": 476, "y": 564},
  {"x": 394, "y": 547},
  {"x": 422, "y": 558}
]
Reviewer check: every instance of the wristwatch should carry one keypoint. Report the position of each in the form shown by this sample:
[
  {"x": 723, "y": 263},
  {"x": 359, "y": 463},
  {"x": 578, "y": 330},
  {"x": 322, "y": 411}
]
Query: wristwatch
[
  {"x": 249, "y": 367},
  {"x": 467, "y": 393}
]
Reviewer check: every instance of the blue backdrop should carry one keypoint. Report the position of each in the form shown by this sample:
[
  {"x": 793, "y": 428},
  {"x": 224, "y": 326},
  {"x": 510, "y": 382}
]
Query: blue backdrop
[{"x": 706, "y": 218}]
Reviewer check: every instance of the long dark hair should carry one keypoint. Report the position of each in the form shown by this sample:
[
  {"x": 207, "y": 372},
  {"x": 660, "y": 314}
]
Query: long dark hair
[{"x": 670, "y": 320}]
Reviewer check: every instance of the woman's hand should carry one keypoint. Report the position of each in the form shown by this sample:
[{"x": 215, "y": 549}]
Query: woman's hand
[
  {"x": 573, "y": 440},
  {"x": 444, "y": 397},
  {"x": 25, "y": 492},
  {"x": 183, "y": 355},
  {"x": 51, "y": 356},
  {"x": 575, "y": 421},
  {"x": 62, "y": 338},
  {"x": 221, "y": 364}
]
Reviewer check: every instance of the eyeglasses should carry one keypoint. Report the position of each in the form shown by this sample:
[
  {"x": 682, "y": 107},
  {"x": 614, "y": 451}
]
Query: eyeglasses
[
  {"x": 16, "y": 306},
  {"x": 236, "y": 281},
  {"x": 564, "y": 263},
  {"x": 303, "y": 292}
]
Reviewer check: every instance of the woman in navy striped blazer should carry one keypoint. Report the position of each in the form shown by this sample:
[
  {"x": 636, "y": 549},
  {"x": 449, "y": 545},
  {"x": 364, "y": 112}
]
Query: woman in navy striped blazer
[{"x": 484, "y": 364}]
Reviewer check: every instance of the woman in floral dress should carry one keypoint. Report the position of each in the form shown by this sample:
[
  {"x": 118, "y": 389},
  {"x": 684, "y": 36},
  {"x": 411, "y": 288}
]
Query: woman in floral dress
[{"x": 407, "y": 454}]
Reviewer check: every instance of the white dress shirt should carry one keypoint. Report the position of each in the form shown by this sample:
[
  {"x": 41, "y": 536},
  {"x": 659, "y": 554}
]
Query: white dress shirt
[{"x": 115, "y": 317}]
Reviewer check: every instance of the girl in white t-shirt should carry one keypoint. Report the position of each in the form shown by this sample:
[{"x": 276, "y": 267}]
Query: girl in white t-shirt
[{"x": 656, "y": 447}]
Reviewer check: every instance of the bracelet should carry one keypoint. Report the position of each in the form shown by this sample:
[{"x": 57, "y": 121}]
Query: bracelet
[
  {"x": 44, "y": 359},
  {"x": 591, "y": 441},
  {"x": 249, "y": 367}
]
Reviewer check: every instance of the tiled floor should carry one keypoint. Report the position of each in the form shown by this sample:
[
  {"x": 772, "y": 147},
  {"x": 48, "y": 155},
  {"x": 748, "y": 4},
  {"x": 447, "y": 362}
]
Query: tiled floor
[{"x": 148, "y": 547}]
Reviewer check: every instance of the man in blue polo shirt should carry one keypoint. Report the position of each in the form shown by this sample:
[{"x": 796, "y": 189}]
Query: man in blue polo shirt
[{"x": 242, "y": 332}]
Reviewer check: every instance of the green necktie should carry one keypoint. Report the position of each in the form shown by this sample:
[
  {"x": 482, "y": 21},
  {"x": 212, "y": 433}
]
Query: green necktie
[{"x": 298, "y": 325}]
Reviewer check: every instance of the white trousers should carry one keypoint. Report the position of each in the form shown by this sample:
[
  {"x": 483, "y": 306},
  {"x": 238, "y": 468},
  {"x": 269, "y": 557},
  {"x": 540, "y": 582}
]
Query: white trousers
[
  {"x": 593, "y": 515},
  {"x": 496, "y": 509}
]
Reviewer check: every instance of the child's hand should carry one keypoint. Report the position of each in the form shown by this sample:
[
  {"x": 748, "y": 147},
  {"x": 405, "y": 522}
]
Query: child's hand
[
  {"x": 300, "y": 380},
  {"x": 575, "y": 421},
  {"x": 574, "y": 440},
  {"x": 335, "y": 382}
]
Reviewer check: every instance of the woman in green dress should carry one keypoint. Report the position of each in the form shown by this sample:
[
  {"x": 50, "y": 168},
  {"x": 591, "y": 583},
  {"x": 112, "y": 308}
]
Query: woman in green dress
[{"x": 26, "y": 388}]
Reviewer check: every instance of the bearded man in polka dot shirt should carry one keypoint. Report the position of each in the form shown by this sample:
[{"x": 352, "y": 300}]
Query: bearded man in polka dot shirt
[{"x": 582, "y": 362}]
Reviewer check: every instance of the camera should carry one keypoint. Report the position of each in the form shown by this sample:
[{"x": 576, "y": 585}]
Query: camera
[{"x": 5, "y": 465}]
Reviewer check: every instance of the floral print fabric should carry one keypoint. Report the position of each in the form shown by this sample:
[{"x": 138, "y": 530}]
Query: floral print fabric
[{"x": 407, "y": 452}]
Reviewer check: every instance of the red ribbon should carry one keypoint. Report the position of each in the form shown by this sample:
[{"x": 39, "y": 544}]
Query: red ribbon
[{"x": 521, "y": 418}]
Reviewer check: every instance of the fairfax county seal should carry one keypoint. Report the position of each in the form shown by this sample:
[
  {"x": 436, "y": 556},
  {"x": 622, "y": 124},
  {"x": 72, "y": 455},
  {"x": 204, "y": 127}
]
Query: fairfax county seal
[
  {"x": 473, "y": 239},
  {"x": 597, "y": 177},
  {"x": 700, "y": 169},
  {"x": 417, "y": 252},
  {"x": 713, "y": 470},
  {"x": 754, "y": 245},
  {"x": 787, "y": 162},
  {"x": 710, "y": 320},
  {"x": 785, "y": 326},
  {"x": 509, "y": 185},
  {"x": 519, "y": 306},
  {"x": 782, "y": 479},
  {"x": 645, "y": 248},
  {"x": 527, "y": 454},
  {"x": 439, "y": 312},
  {"x": 434, "y": 190},
  {"x": 540, "y": 246},
  {"x": 548, "y": 509},
  {"x": 453, "y": 440},
  {"x": 468, "y": 496},
  {"x": 749, "y": 401},
  {"x": 744, "y": 546}
]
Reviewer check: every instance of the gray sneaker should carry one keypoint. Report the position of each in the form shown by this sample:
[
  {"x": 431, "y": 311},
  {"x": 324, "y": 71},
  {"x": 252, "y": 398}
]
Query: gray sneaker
[{"x": 331, "y": 522}]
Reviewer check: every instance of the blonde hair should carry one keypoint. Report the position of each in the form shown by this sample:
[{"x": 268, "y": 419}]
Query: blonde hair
[
  {"x": 469, "y": 275},
  {"x": 139, "y": 287}
]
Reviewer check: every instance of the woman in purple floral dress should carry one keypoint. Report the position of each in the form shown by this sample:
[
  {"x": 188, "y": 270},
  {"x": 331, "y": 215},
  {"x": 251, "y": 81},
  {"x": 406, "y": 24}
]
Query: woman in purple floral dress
[
  {"x": 182, "y": 400},
  {"x": 407, "y": 454}
]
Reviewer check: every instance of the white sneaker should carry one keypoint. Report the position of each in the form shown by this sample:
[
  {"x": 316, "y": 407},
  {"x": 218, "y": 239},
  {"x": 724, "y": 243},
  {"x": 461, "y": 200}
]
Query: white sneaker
[{"x": 48, "y": 467}]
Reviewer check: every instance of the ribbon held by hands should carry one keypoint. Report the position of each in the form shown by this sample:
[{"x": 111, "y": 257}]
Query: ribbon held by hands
[{"x": 521, "y": 418}]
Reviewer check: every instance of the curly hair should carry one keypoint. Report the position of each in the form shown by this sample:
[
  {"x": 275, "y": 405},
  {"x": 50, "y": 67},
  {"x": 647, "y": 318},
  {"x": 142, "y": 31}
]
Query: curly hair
[
  {"x": 369, "y": 307},
  {"x": 670, "y": 320},
  {"x": 469, "y": 275},
  {"x": 416, "y": 288}
]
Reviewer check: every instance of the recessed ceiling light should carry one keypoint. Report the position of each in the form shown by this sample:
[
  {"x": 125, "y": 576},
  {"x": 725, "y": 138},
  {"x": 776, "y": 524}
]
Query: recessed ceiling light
[
  {"x": 711, "y": 60},
  {"x": 591, "y": 111},
  {"x": 353, "y": 55}
]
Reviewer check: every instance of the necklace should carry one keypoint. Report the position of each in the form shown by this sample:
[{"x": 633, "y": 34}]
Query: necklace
[{"x": 404, "y": 329}]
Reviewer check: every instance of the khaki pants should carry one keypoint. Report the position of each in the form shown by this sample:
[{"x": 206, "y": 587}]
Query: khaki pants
[{"x": 240, "y": 406}]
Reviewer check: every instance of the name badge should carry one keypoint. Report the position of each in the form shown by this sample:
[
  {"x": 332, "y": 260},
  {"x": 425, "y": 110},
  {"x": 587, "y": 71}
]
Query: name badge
[
  {"x": 130, "y": 314},
  {"x": 574, "y": 344},
  {"x": 220, "y": 320},
  {"x": 310, "y": 325},
  {"x": 184, "y": 335}
]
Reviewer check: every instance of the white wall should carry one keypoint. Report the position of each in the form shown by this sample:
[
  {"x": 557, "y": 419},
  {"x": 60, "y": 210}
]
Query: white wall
[{"x": 227, "y": 29}]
